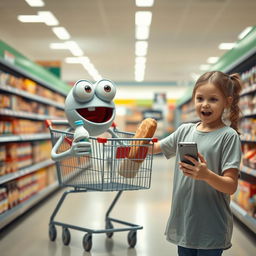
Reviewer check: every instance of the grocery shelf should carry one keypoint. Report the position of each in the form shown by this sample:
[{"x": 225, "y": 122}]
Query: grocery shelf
[
  {"x": 25, "y": 171},
  {"x": 248, "y": 170},
  {"x": 249, "y": 113},
  {"x": 248, "y": 90},
  {"x": 34, "y": 72},
  {"x": 243, "y": 216},
  {"x": 10, "y": 215},
  {"x": 12, "y": 73},
  {"x": 19, "y": 92},
  {"x": 248, "y": 138},
  {"x": 24, "y": 137},
  {"x": 26, "y": 115}
]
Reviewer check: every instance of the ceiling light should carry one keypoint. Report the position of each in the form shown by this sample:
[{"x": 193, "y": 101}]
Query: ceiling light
[
  {"x": 61, "y": 33},
  {"x": 140, "y": 67},
  {"x": 142, "y": 32},
  {"x": 244, "y": 32},
  {"x": 46, "y": 17},
  {"x": 141, "y": 60},
  {"x": 139, "y": 72},
  {"x": 86, "y": 63},
  {"x": 35, "y": 3},
  {"x": 139, "y": 77},
  {"x": 29, "y": 18},
  {"x": 74, "y": 48},
  {"x": 204, "y": 67},
  {"x": 141, "y": 48},
  {"x": 143, "y": 18},
  {"x": 144, "y": 3},
  {"x": 226, "y": 46},
  {"x": 212, "y": 60},
  {"x": 70, "y": 45}
]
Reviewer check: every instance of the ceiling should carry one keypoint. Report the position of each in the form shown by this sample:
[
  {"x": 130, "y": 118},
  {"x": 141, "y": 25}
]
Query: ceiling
[{"x": 183, "y": 34}]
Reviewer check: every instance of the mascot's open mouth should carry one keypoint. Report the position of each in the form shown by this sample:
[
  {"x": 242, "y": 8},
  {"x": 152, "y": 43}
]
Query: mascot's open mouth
[{"x": 96, "y": 114}]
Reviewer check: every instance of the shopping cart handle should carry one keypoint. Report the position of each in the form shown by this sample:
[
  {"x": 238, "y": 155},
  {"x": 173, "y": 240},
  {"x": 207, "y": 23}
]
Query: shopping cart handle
[
  {"x": 154, "y": 140},
  {"x": 102, "y": 140},
  {"x": 114, "y": 125},
  {"x": 48, "y": 123}
]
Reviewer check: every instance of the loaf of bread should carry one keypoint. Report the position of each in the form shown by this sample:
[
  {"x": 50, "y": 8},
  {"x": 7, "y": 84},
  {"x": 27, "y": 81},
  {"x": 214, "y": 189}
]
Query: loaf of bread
[
  {"x": 129, "y": 167},
  {"x": 146, "y": 129}
]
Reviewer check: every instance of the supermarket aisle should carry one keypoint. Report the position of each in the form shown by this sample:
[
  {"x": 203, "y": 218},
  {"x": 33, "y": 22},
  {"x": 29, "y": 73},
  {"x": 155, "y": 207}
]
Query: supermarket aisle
[{"x": 29, "y": 235}]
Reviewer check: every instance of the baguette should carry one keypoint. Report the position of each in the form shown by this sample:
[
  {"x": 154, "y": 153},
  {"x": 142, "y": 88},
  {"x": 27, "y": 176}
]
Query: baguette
[
  {"x": 146, "y": 129},
  {"x": 129, "y": 167}
]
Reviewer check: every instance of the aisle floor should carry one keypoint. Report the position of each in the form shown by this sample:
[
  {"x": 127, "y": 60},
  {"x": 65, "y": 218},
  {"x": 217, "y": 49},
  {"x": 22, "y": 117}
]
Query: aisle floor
[{"x": 28, "y": 236}]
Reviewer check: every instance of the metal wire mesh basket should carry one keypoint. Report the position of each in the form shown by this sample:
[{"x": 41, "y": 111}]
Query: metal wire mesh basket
[{"x": 109, "y": 167}]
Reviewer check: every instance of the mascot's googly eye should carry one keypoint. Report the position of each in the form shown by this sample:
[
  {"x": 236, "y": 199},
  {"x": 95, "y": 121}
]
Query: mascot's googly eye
[
  {"x": 106, "y": 90},
  {"x": 83, "y": 91}
]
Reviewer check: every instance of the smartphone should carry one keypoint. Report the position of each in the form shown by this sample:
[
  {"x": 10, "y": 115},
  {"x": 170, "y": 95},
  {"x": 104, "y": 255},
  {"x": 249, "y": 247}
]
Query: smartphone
[{"x": 187, "y": 148}]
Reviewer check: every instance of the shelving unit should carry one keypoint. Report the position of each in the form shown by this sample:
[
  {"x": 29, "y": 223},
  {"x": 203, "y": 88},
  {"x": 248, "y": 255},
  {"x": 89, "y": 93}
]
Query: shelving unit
[
  {"x": 38, "y": 175},
  {"x": 13, "y": 213},
  {"x": 240, "y": 60}
]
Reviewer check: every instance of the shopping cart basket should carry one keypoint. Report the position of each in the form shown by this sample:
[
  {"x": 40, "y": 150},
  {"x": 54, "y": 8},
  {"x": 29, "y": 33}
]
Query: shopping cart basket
[{"x": 107, "y": 168}]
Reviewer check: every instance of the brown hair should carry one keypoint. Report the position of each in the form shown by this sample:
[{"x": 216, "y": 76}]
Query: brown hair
[{"x": 229, "y": 85}]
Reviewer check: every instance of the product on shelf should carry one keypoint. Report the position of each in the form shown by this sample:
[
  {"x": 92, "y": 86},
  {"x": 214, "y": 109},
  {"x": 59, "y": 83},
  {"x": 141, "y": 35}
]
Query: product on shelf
[
  {"x": 249, "y": 79},
  {"x": 29, "y": 86},
  {"x": 19, "y": 190},
  {"x": 245, "y": 196},
  {"x": 249, "y": 155},
  {"x": 16, "y": 156},
  {"x": 3, "y": 200},
  {"x": 24, "y": 103},
  {"x": 41, "y": 151},
  {"x": 5, "y": 101}
]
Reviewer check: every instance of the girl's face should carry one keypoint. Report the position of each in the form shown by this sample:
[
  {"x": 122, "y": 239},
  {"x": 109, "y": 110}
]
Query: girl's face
[{"x": 209, "y": 104}]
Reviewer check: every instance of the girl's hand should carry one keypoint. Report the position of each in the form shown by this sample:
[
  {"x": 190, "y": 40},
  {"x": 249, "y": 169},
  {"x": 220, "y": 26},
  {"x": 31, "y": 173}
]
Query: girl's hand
[{"x": 199, "y": 171}]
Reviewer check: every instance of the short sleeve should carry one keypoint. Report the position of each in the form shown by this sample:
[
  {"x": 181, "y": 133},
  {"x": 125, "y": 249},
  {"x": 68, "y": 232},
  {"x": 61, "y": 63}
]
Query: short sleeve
[
  {"x": 231, "y": 152},
  {"x": 169, "y": 144}
]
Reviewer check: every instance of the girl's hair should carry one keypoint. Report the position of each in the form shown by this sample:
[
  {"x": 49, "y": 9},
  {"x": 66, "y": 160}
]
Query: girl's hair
[{"x": 229, "y": 85}]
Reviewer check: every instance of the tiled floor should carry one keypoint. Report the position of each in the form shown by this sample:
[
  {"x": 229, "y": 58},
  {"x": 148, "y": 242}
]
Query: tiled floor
[{"x": 28, "y": 236}]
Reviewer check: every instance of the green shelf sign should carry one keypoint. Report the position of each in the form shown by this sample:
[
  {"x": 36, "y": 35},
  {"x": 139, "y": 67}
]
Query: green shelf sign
[{"x": 13, "y": 57}]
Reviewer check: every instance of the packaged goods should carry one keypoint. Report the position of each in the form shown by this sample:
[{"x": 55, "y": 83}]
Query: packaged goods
[{"x": 245, "y": 196}]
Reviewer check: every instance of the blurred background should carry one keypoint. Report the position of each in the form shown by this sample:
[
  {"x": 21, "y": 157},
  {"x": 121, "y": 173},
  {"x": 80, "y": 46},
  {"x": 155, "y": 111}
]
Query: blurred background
[{"x": 153, "y": 50}]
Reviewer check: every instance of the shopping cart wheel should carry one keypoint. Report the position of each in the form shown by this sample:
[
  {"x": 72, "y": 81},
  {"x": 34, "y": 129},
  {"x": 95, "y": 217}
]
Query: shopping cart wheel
[
  {"x": 87, "y": 242},
  {"x": 109, "y": 225},
  {"x": 52, "y": 232},
  {"x": 132, "y": 238},
  {"x": 66, "y": 236}
]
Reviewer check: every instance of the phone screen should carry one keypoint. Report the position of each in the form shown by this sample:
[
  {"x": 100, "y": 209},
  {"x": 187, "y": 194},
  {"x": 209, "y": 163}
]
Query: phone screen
[{"x": 187, "y": 148}]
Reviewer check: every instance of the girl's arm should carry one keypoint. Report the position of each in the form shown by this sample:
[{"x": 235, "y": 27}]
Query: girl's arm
[
  {"x": 157, "y": 148},
  {"x": 226, "y": 183}
]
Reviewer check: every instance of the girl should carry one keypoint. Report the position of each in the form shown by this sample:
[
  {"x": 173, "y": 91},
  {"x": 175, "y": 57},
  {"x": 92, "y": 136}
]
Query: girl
[{"x": 201, "y": 221}]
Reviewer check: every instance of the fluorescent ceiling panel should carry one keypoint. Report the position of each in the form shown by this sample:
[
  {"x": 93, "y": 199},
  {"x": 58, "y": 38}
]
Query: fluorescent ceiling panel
[
  {"x": 142, "y": 32},
  {"x": 141, "y": 48},
  {"x": 144, "y": 3},
  {"x": 212, "y": 60},
  {"x": 143, "y": 18},
  {"x": 61, "y": 33},
  {"x": 44, "y": 16},
  {"x": 35, "y": 3}
]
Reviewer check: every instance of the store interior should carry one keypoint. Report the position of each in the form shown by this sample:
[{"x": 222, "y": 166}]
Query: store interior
[{"x": 38, "y": 69}]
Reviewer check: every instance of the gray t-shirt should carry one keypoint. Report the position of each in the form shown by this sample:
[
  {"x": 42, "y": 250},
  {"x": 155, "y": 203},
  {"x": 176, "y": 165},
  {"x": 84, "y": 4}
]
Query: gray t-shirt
[{"x": 200, "y": 215}]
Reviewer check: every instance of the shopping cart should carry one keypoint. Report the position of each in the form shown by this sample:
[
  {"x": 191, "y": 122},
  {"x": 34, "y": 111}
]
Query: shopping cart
[{"x": 107, "y": 168}]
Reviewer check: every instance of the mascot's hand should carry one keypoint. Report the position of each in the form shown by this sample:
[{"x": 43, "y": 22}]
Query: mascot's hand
[{"x": 81, "y": 148}]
